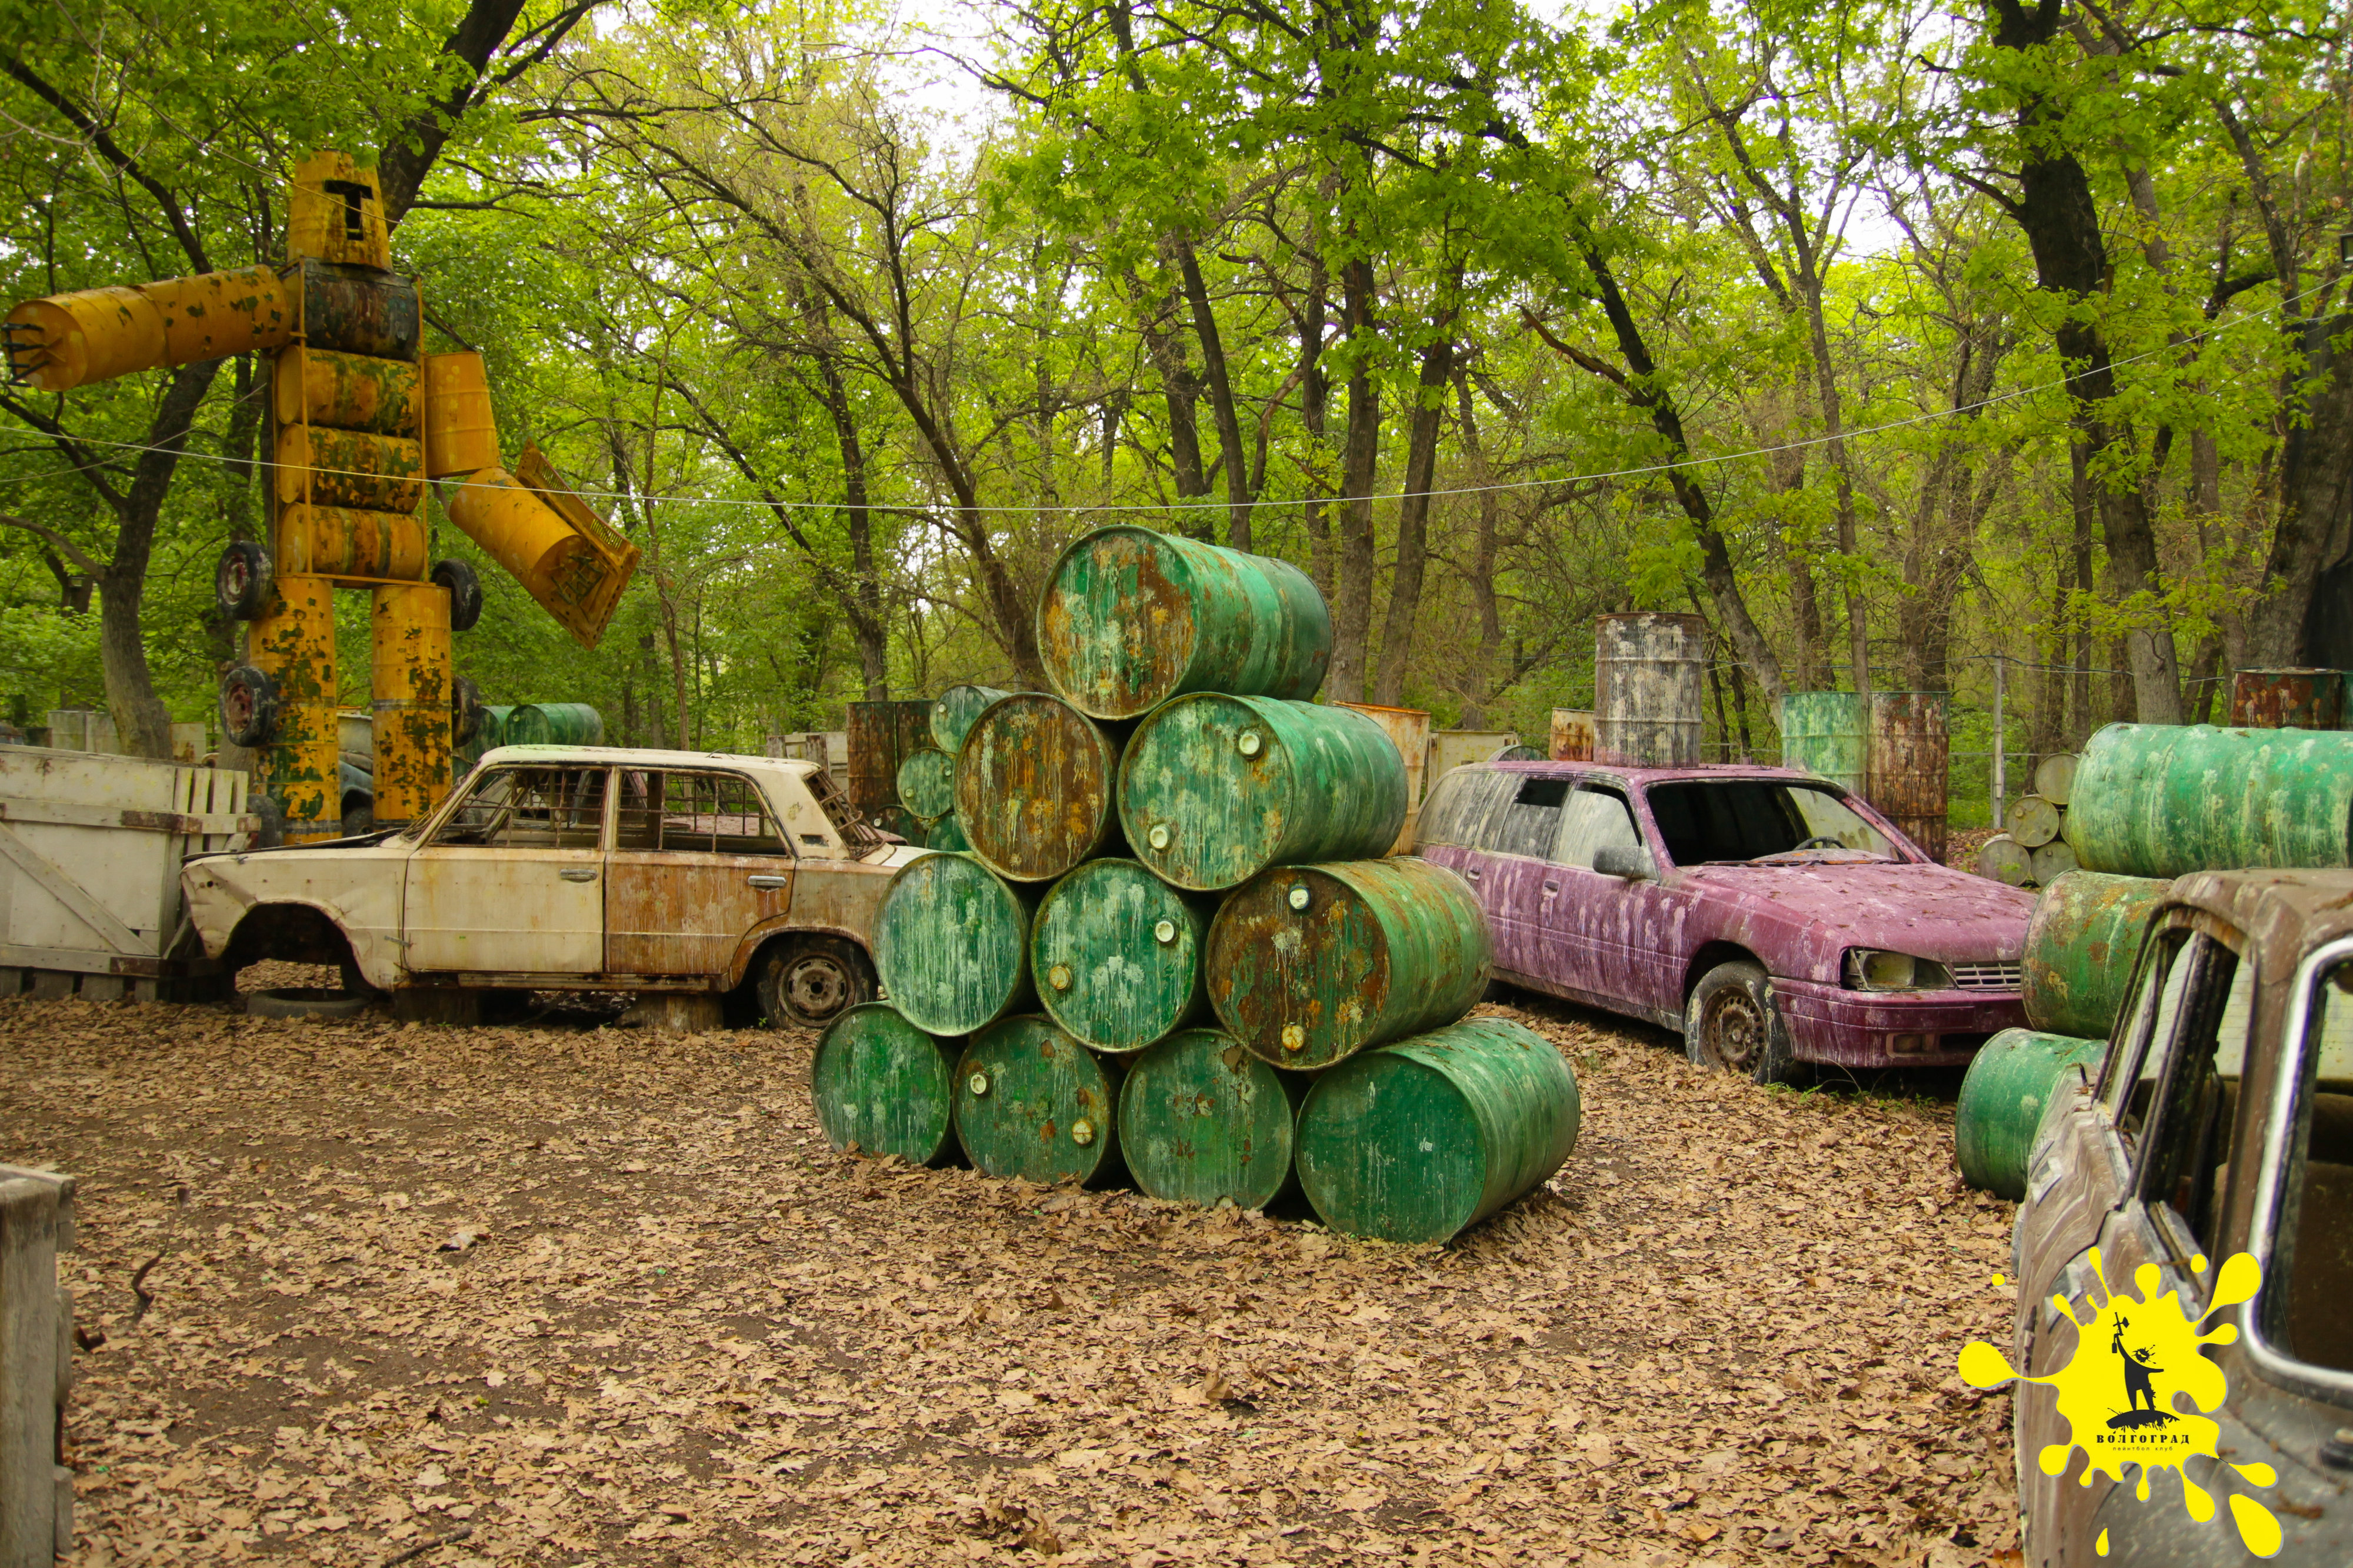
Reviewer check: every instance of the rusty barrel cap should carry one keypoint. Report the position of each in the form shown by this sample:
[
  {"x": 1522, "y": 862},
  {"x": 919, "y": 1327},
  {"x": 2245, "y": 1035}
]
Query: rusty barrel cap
[
  {"x": 1031, "y": 1102},
  {"x": 1200, "y": 1120},
  {"x": 882, "y": 1086}
]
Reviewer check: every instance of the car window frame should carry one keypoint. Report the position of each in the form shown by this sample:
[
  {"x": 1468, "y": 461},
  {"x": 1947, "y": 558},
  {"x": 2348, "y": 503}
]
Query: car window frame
[
  {"x": 433, "y": 825},
  {"x": 1470, "y": 840},
  {"x": 1902, "y": 851},
  {"x": 2123, "y": 1058},
  {"x": 2286, "y": 1066},
  {"x": 791, "y": 851},
  {"x": 1597, "y": 784},
  {"x": 2202, "y": 1013}
]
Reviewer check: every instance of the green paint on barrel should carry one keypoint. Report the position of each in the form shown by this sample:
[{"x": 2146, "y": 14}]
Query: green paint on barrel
[
  {"x": 956, "y": 709},
  {"x": 882, "y": 1086},
  {"x": 2012, "y": 1082},
  {"x": 1310, "y": 964},
  {"x": 1216, "y": 788},
  {"x": 927, "y": 783},
  {"x": 945, "y": 834},
  {"x": 1825, "y": 733},
  {"x": 1033, "y": 1102},
  {"x": 2164, "y": 800},
  {"x": 1036, "y": 788},
  {"x": 2081, "y": 947},
  {"x": 952, "y": 944},
  {"x": 1202, "y": 1119},
  {"x": 1116, "y": 954},
  {"x": 554, "y": 724},
  {"x": 492, "y": 730},
  {"x": 1131, "y": 618},
  {"x": 1418, "y": 1140}
]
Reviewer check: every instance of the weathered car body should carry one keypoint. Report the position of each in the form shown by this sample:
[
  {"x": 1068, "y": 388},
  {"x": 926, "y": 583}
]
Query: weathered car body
[
  {"x": 1591, "y": 897},
  {"x": 2220, "y": 1120},
  {"x": 581, "y": 868}
]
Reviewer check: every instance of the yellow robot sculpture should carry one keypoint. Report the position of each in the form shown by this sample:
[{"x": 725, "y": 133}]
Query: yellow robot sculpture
[{"x": 360, "y": 418}]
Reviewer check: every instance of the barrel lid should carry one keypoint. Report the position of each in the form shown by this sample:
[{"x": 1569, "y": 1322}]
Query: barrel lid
[
  {"x": 1119, "y": 954},
  {"x": 1115, "y": 625},
  {"x": 1205, "y": 789},
  {"x": 1201, "y": 1120},
  {"x": 1389, "y": 1147},
  {"x": 1033, "y": 1102},
  {"x": 1034, "y": 786},
  {"x": 883, "y": 1087},
  {"x": 949, "y": 943}
]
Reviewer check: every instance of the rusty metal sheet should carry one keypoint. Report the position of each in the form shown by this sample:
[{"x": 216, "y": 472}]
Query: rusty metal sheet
[
  {"x": 679, "y": 912},
  {"x": 881, "y": 736},
  {"x": 1909, "y": 758},
  {"x": 1648, "y": 671},
  {"x": 2287, "y": 699},
  {"x": 360, "y": 310},
  {"x": 1572, "y": 735}
]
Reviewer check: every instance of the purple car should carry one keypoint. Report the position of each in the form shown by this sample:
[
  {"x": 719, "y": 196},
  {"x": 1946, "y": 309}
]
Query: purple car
[{"x": 1767, "y": 914}]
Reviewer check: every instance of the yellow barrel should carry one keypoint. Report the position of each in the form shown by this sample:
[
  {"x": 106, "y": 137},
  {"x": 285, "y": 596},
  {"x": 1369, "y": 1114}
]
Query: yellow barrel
[
  {"x": 336, "y": 212},
  {"x": 568, "y": 559},
  {"x": 460, "y": 433},
  {"x": 347, "y": 541},
  {"x": 411, "y": 699},
  {"x": 348, "y": 468},
  {"x": 293, "y": 643},
  {"x": 350, "y": 391},
  {"x": 71, "y": 340}
]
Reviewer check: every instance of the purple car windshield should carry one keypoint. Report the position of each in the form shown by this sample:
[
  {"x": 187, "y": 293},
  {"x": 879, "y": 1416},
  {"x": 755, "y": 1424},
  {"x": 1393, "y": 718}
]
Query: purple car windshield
[{"x": 1734, "y": 821}]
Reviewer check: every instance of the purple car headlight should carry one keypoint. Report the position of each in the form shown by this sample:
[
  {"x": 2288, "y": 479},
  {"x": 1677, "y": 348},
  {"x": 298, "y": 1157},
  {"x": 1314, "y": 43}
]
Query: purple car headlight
[{"x": 1869, "y": 968}]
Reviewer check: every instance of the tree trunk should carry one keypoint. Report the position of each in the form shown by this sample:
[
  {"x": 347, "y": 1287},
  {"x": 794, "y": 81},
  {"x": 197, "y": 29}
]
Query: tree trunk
[
  {"x": 141, "y": 720},
  {"x": 867, "y": 628},
  {"x": 1315, "y": 408},
  {"x": 2290, "y": 625},
  {"x": 1239, "y": 499},
  {"x": 1180, "y": 390},
  {"x": 1481, "y": 660},
  {"x": 1413, "y": 517},
  {"x": 1359, "y": 461}
]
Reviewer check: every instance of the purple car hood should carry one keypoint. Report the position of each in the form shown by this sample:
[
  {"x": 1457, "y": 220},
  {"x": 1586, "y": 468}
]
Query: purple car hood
[{"x": 1928, "y": 911}]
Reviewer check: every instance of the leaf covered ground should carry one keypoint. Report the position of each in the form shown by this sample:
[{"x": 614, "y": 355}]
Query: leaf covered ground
[{"x": 572, "y": 1295}]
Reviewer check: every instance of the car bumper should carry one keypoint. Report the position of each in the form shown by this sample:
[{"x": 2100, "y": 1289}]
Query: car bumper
[{"x": 1832, "y": 1024}]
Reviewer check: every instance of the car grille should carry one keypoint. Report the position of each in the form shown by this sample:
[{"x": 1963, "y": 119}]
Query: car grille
[{"x": 1987, "y": 976}]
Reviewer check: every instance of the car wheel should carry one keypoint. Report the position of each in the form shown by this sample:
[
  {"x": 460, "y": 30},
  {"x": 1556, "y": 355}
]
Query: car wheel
[
  {"x": 812, "y": 980},
  {"x": 359, "y": 816},
  {"x": 249, "y": 706},
  {"x": 465, "y": 593},
  {"x": 241, "y": 580},
  {"x": 1731, "y": 1024}
]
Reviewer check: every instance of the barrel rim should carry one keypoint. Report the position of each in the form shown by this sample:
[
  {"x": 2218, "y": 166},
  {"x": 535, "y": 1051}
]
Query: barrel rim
[
  {"x": 1137, "y": 843},
  {"x": 1106, "y": 1069},
  {"x": 1104, "y": 746},
  {"x": 818, "y": 1056},
  {"x": 1013, "y": 902},
  {"x": 1220, "y": 974}
]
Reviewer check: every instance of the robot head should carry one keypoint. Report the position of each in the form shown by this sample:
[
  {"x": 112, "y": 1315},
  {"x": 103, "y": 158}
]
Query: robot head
[{"x": 336, "y": 214}]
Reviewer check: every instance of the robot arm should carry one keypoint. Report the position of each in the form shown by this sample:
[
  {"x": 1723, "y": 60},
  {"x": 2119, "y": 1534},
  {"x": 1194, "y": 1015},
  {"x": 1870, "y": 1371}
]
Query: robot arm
[{"x": 71, "y": 340}]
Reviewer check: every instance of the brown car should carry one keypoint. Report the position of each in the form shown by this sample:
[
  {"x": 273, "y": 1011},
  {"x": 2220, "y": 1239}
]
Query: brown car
[{"x": 2220, "y": 1122}]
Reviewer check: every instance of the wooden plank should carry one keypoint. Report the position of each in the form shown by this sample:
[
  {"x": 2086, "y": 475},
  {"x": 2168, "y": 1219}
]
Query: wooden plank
[
  {"x": 62, "y": 813},
  {"x": 90, "y": 961},
  {"x": 68, "y": 892}
]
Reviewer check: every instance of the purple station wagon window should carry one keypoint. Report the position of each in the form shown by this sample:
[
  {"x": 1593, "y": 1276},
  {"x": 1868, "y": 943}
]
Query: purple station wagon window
[{"x": 1716, "y": 822}]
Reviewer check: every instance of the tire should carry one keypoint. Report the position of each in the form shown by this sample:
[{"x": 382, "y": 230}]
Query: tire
[
  {"x": 465, "y": 710},
  {"x": 241, "y": 580},
  {"x": 306, "y": 1002},
  {"x": 273, "y": 820},
  {"x": 465, "y": 593},
  {"x": 359, "y": 816},
  {"x": 1731, "y": 1024},
  {"x": 249, "y": 706},
  {"x": 807, "y": 982}
]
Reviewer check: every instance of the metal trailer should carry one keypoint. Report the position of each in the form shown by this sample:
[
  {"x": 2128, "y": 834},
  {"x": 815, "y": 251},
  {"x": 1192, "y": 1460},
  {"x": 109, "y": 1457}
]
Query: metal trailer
[{"x": 90, "y": 846}]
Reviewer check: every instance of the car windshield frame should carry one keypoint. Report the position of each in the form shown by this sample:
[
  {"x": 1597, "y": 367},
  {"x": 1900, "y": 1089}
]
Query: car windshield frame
[{"x": 1896, "y": 852}]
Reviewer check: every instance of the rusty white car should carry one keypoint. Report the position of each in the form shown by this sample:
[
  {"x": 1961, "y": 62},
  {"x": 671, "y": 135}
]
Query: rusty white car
[
  {"x": 2220, "y": 1122},
  {"x": 576, "y": 867}
]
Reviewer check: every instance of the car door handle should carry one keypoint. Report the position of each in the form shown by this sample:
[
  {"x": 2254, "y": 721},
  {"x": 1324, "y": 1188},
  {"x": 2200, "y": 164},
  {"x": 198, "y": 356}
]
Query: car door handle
[
  {"x": 765, "y": 880},
  {"x": 1552, "y": 887},
  {"x": 577, "y": 875},
  {"x": 1471, "y": 872}
]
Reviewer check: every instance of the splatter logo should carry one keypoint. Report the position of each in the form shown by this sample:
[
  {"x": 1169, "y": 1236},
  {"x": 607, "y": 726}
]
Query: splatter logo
[{"x": 2136, "y": 1390}]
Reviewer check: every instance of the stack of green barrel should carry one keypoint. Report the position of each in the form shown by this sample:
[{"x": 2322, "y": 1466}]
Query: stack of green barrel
[{"x": 1172, "y": 952}]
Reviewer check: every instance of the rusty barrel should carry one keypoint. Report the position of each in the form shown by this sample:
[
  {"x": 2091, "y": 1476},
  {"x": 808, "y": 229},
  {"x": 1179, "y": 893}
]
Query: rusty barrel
[
  {"x": 1826, "y": 733},
  {"x": 882, "y": 1086},
  {"x": 927, "y": 783},
  {"x": 1033, "y": 1102},
  {"x": 1647, "y": 669},
  {"x": 952, "y": 944},
  {"x": 1216, "y": 788},
  {"x": 1310, "y": 964},
  {"x": 1572, "y": 735},
  {"x": 1408, "y": 731},
  {"x": 2287, "y": 699},
  {"x": 555, "y": 724},
  {"x": 2163, "y": 800},
  {"x": 1115, "y": 953},
  {"x": 1131, "y": 618},
  {"x": 878, "y": 737},
  {"x": 1909, "y": 753},
  {"x": 1202, "y": 1121},
  {"x": 1416, "y": 1140},
  {"x": 2034, "y": 821},
  {"x": 2006, "y": 861},
  {"x": 2010, "y": 1084},
  {"x": 956, "y": 709},
  {"x": 1035, "y": 786},
  {"x": 2081, "y": 947},
  {"x": 945, "y": 834}
]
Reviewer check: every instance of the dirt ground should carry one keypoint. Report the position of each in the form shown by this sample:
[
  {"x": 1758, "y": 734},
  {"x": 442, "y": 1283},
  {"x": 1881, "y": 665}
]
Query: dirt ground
[{"x": 572, "y": 1295}]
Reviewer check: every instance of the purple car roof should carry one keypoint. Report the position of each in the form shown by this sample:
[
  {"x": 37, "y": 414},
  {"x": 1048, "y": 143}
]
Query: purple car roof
[{"x": 1666, "y": 775}]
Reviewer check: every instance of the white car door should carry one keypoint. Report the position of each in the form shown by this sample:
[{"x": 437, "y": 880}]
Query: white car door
[{"x": 511, "y": 881}]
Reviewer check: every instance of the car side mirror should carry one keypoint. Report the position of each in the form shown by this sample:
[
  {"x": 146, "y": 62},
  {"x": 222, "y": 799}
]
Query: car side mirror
[{"x": 1631, "y": 862}]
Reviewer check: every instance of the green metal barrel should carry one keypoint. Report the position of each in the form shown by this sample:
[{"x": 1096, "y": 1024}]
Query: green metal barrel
[
  {"x": 1036, "y": 788},
  {"x": 2080, "y": 949},
  {"x": 945, "y": 834},
  {"x": 927, "y": 783},
  {"x": 554, "y": 724},
  {"x": 2163, "y": 800},
  {"x": 492, "y": 730},
  {"x": 1033, "y": 1102},
  {"x": 2010, "y": 1085},
  {"x": 1202, "y": 1119},
  {"x": 1826, "y": 733},
  {"x": 1216, "y": 788},
  {"x": 2004, "y": 860},
  {"x": 898, "y": 819},
  {"x": 1418, "y": 1140},
  {"x": 952, "y": 944},
  {"x": 1131, "y": 618},
  {"x": 882, "y": 1086},
  {"x": 955, "y": 709},
  {"x": 1310, "y": 964},
  {"x": 2034, "y": 821},
  {"x": 1116, "y": 953}
]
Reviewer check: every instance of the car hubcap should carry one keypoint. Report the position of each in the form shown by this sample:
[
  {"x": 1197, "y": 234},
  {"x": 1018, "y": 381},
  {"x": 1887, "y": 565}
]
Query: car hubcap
[
  {"x": 1735, "y": 1031},
  {"x": 816, "y": 988}
]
